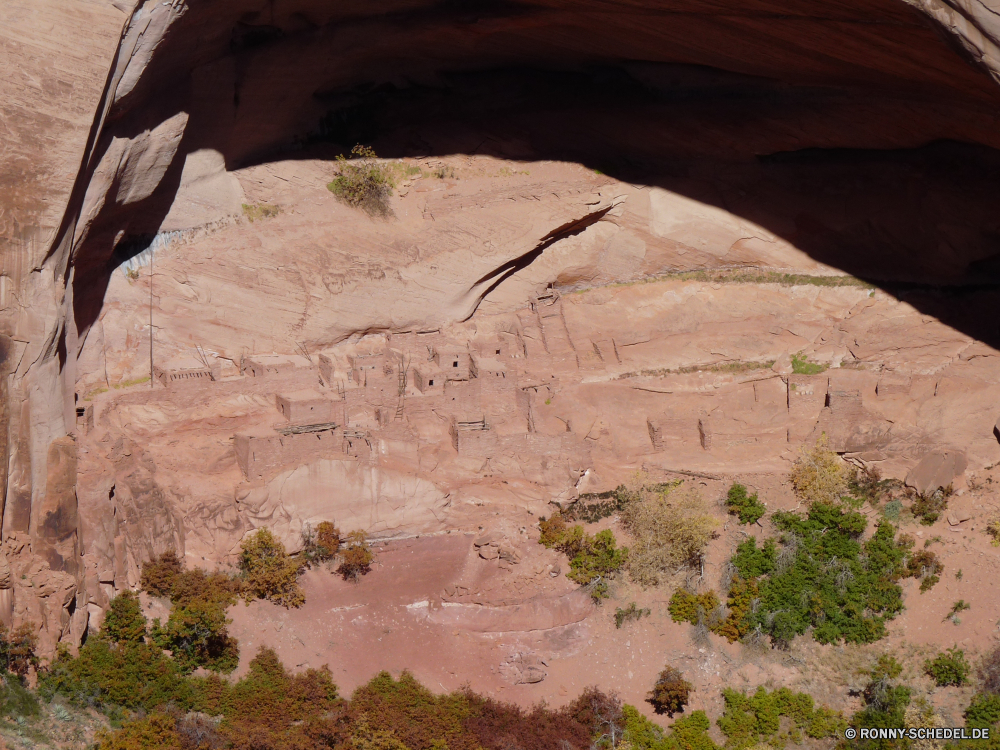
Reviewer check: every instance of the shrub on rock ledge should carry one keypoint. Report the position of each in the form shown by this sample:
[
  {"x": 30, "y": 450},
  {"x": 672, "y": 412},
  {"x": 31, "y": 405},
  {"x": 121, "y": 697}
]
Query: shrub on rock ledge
[{"x": 363, "y": 182}]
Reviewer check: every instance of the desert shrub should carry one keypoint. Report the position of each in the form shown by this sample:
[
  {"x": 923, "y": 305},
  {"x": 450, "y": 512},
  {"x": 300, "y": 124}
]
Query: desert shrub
[
  {"x": 691, "y": 733},
  {"x": 989, "y": 671},
  {"x": 17, "y": 700},
  {"x": 598, "y": 560},
  {"x": 818, "y": 475},
  {"x": 17, "y": 649},
  {"x": 671, "y": 529},
  {"x": 593, "y": 559},
  {"x": 959, "y": 606},
  {"x": 365, "y": 737},
  {"x": 802, "y": 366},
  {"x": 216, "y": 588},
  {"x": 361, "y": 181},
  {"x": 866, "y": 484},
  {"x": 686, "y": 606},
  {"x": 924, "y": 565},
  {"x": 270, "y": 701},
  {"x": 259, "y": 211},
  {"x": 983, "y": 710},
  {"x": 640, "y": 732},
  {"x": 165, "y": 576},
  {"x": 948, "y": 667},
  {"x": 822, "y": 577},
  {"x": 328, "y": 538},
  {"x": 356, "y": 560},
  {"x": 670, "y": 692},
  {"x": 156, "y": 732},
  {"x": 124, "y": 621},
  {"x": 885, "y": 704},
  {"x": 132, "y": 675},
  {"x": 928, "y": 508},
  {"x": 748, "y": 507},
  {"x": 413, "y": 714},
  {"x": 197, "y": 636},
  {"x": 555, "y": 533},
  {"x": 752, "y": 719},
  {"x": 199, "y": 732},
  {"x": 159, "y": 573},
  {"x": 268, "y": 571},
  {"x": 892, "y": 510},
  {"x": 993, "y": 528},
  {"x": 631, "y": 613},
  {"x": 320, "y": 544},
  {"x": 602, "y": 714},
  {"x": 496, "y": 725}
]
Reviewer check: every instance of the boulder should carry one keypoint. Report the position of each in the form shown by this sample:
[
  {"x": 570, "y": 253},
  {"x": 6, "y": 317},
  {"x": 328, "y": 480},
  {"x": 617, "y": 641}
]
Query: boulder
[
  {"x": 488, "y": 538},
  {"x": 956, "y": 517},
  {"x": 510, "y": 555},
  {"x": 938, "y": 469}
]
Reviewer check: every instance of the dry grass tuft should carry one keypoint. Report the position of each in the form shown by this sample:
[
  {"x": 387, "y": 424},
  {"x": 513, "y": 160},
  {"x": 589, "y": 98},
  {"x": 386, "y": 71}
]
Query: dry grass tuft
[{"x": 819, "y": 474}]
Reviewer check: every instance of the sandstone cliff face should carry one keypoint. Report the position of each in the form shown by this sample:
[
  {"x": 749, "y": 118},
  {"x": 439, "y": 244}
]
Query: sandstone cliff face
[{"x": 134, "y": 130}]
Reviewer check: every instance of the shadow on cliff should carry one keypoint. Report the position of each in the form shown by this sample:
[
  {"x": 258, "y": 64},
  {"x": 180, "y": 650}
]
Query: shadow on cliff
[{"x": 861, "y": 180}]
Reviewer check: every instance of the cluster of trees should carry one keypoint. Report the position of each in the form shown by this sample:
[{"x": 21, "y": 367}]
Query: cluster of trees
[{"x": 669, "y": 523}]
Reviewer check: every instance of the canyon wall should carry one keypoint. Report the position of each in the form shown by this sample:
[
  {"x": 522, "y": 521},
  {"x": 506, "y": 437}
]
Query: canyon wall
[{"x": 125, "y": 125}]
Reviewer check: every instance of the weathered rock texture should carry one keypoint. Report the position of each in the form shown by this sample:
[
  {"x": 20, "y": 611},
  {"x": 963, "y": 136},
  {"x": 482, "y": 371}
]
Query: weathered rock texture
[{"x": 800, "y": 135}]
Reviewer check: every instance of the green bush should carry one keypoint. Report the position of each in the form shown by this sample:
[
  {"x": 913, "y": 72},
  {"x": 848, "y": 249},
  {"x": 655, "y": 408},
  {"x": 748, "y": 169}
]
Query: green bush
[
  {"x": 132, "y": 675},
  {"x": 822, "y": 577},
  {"x": 749, "y": 720},
  {"x": 593, "y": 559},
  {"x": 747, "y": 507},
  {"x": 197, "y": 635},
  {"x": 928, "y": 508},
  {"x": 599, "y": 560},
  {"x": 16, "y": 700},
  {"x": 691, "y": 733},
  {"x": 268, "y": 571},
  {"x": 885, "y": 703},
  {"x": 124, "y": 621},
  {"x": 948, "y": 668},
  {"x": 363, "y": 182},
  {"x": 631, "y": 613},
  {"x": 802, "y": 366},
  {"x": 983, "y": 711},
  {"x": 640, "y": 733}
]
